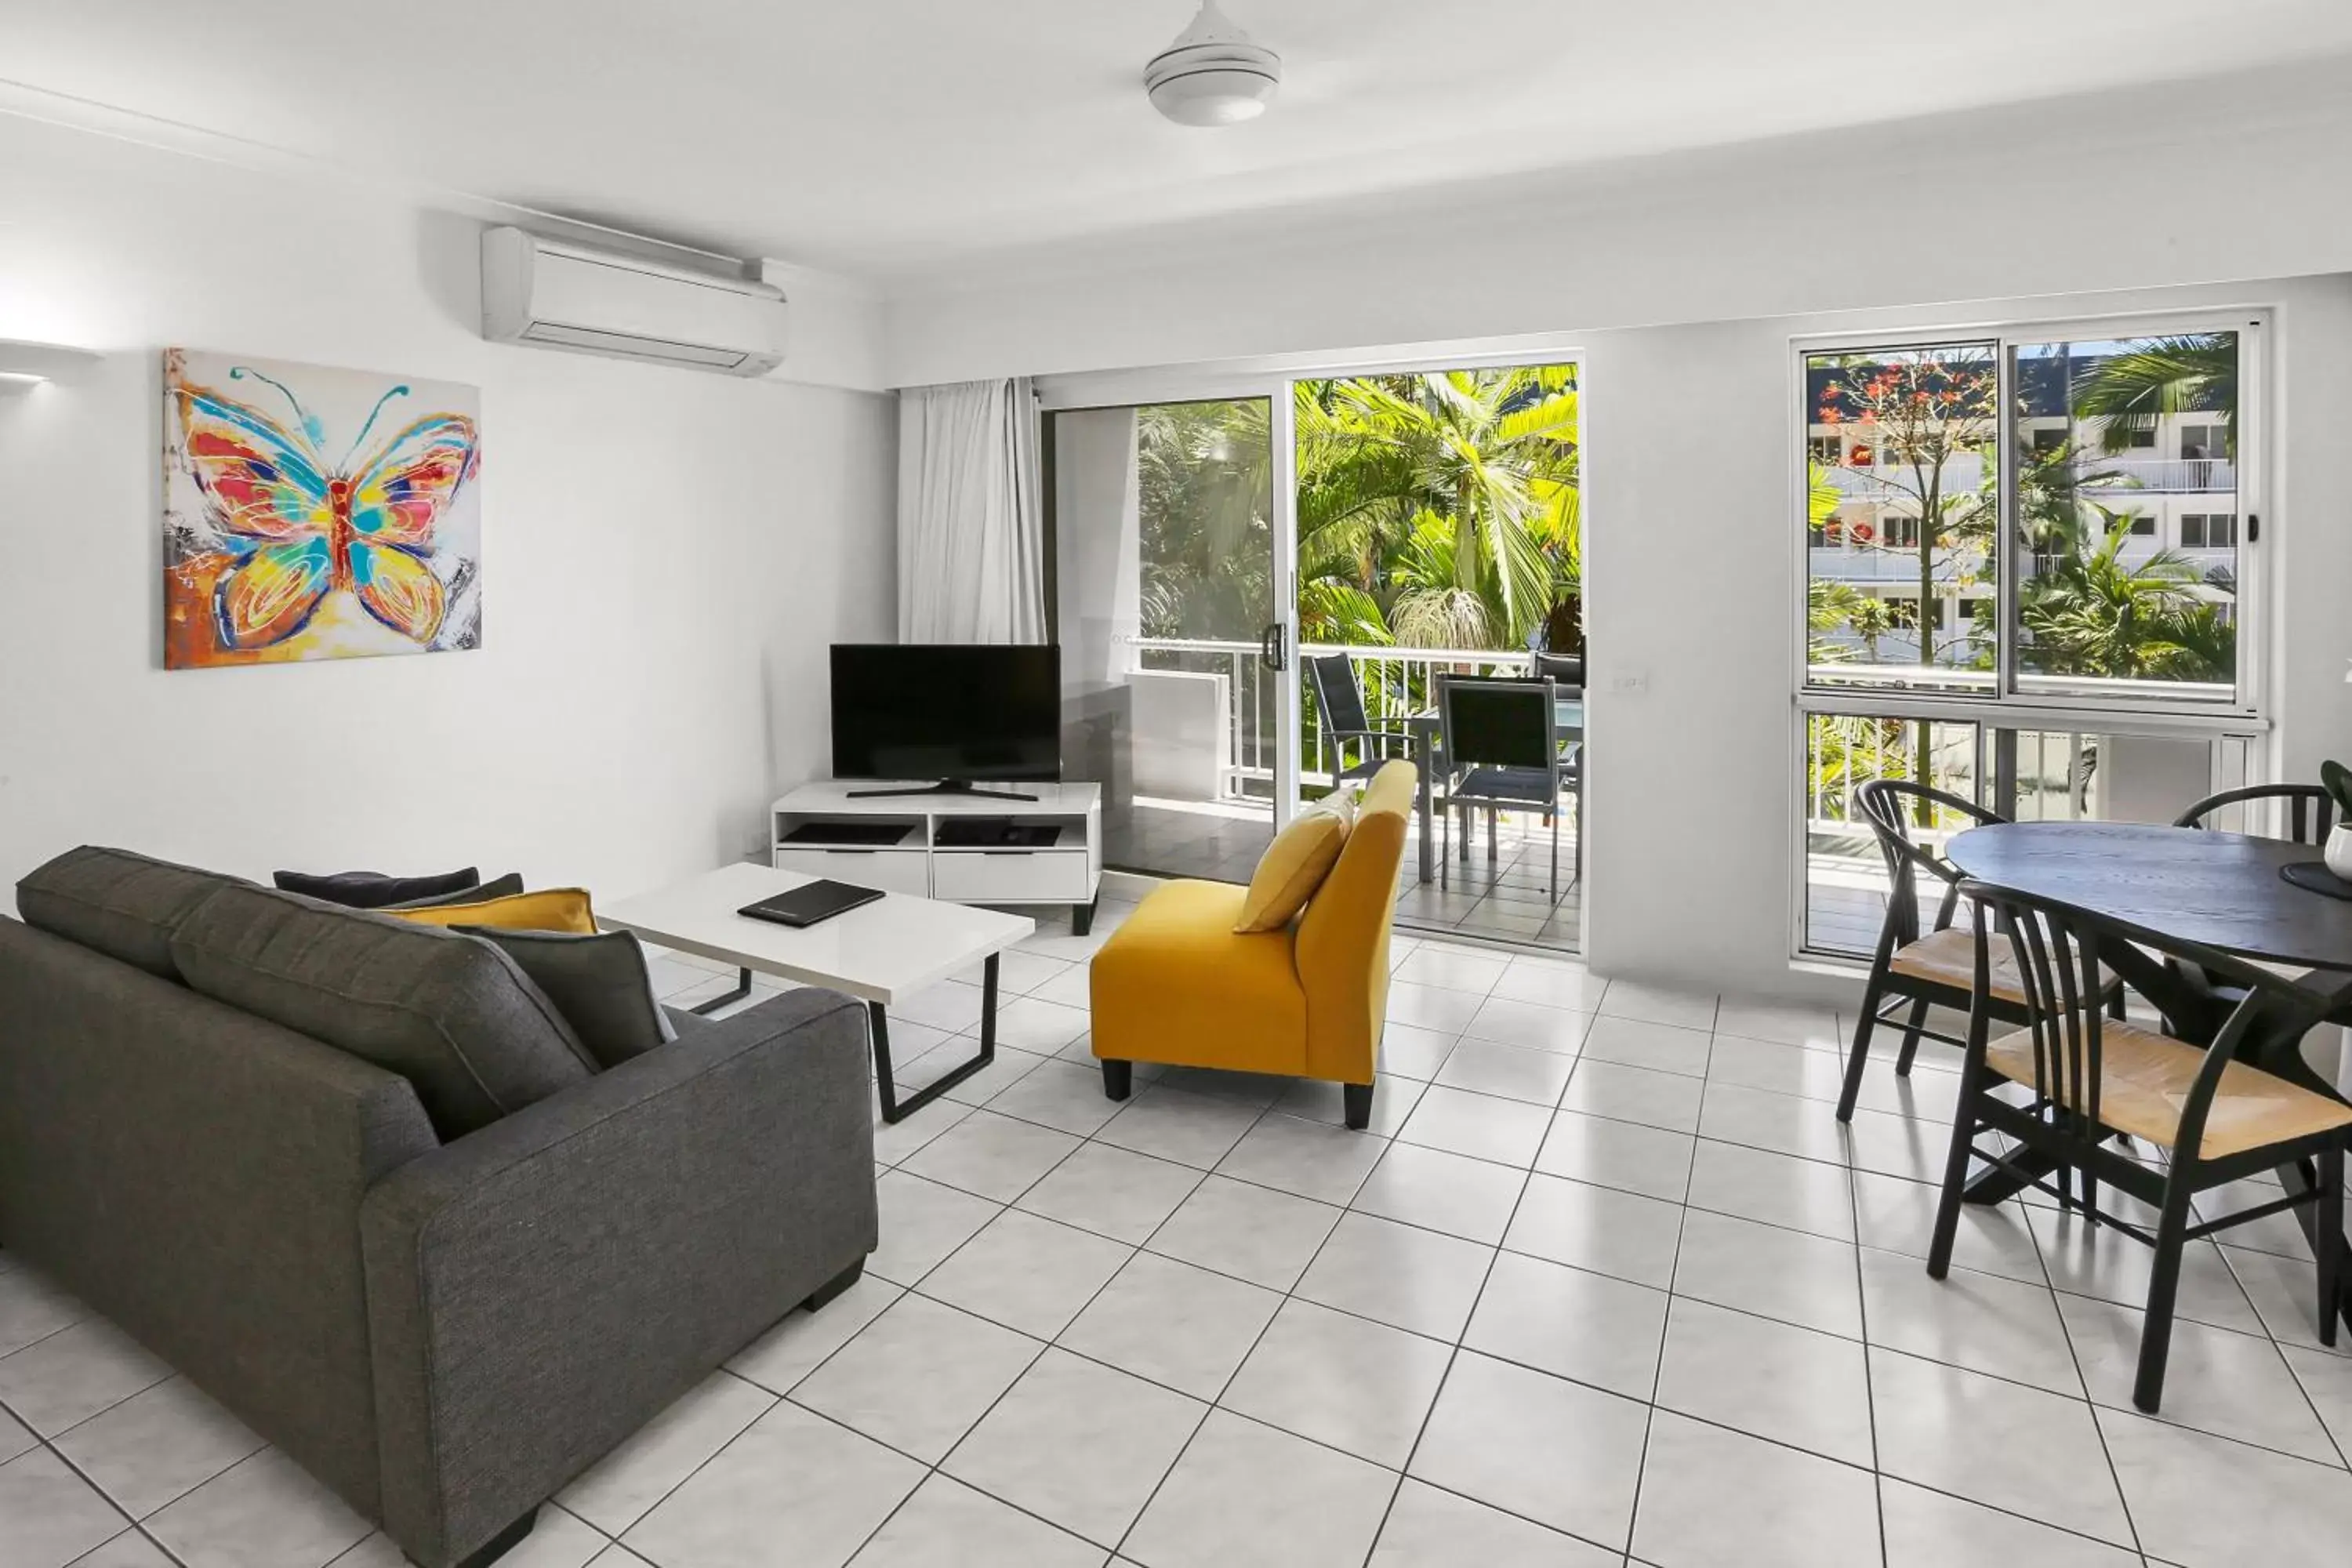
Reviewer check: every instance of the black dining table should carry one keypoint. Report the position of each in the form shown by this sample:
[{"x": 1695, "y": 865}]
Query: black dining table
[{"x": 2222, "y": 891}]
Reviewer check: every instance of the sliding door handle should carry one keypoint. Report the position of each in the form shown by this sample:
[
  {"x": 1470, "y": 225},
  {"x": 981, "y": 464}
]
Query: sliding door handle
[{"x": 1272, "y": 649}]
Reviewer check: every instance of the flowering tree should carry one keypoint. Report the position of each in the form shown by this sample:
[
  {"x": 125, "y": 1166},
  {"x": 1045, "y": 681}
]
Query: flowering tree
[{"x": 1911, "y": 420}]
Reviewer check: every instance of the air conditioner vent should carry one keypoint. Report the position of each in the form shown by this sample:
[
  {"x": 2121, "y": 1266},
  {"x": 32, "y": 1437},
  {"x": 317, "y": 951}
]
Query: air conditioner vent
[{"x": 562, "y": 296}]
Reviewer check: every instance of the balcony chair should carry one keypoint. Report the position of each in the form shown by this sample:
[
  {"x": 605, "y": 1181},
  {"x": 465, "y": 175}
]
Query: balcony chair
[
  {"x": 1500, "y": 737},
  {"x": 2219, "y": 1119},
  {"x": 1178, "y": 984},
  {"x": 1564, "y": 670},
  {"x": 1912, "y": 970},
  {"x": 1340, "y": 701}
]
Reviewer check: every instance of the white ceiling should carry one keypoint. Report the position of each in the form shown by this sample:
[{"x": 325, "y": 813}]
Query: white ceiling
[{"x": 895, "y": 138}]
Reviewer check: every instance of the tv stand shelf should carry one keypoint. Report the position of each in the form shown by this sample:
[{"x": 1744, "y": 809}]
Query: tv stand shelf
[{"x": 1066, "y": 868}]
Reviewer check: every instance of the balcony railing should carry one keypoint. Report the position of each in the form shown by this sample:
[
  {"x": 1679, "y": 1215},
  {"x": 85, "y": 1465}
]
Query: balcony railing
[
  {"x": 2167, "y": 476},
  {"x": 1397, "y": 682}
]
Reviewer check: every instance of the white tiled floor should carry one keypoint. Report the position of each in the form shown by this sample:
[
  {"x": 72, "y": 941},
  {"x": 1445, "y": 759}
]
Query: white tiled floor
[{"x": 1605, "y": 1278}]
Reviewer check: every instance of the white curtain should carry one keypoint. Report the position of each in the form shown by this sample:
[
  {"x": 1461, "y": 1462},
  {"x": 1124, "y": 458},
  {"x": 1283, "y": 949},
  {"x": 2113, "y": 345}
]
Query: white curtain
[{"x": 971, "y": 528}]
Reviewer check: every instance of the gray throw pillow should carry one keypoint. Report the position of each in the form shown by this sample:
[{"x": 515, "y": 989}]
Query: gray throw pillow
[
  {"x": 599, "y": 983},
  {"x": 452, "y": 1015},
  {"x": 373, "y": 889},
  {"x": 123, "y": 905},
  {"x": 505, "y": 886}
]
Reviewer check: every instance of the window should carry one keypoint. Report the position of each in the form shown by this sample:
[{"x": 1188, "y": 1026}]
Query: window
[
  {"x": 1829, "y": 450},
  {"x": 2011, "y": 628},
  {"x": 2179, "y": 642},
  {"x": 2209, "y": 530},
  {"x": 1931, "y": 413}
]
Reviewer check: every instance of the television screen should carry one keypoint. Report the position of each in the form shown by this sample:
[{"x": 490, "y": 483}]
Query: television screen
[{"x": 920, "y": 711}]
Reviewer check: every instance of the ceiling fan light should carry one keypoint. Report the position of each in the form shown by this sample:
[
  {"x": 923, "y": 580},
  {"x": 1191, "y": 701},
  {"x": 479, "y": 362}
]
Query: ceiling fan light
[{"x": 1213, "y": 74}]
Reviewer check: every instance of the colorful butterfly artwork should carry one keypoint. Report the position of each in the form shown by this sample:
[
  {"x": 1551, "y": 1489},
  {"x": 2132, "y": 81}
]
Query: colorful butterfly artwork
[{"x": 284, "y": 540}]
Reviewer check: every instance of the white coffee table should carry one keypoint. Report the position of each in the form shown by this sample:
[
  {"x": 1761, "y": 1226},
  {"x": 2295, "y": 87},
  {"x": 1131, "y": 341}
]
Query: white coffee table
[{"x": 880, "y": 952}]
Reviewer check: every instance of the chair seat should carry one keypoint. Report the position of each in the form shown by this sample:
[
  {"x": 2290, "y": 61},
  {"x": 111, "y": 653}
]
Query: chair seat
[
  {"x": 1176, "y": 984},
  {"x": 1530, "y": 788},
  {"x": 2144, "y": 1077},
  {"x": 1949, "y": 958}
]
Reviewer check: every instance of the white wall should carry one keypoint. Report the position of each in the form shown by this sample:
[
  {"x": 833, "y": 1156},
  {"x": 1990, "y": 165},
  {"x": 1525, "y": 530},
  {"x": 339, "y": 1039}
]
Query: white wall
[{"x": 667, "y": 555}]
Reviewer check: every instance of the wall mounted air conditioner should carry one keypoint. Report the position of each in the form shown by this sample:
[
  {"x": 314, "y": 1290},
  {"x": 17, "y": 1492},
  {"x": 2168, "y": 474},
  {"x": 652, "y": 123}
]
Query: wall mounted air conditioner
[{"x": 559, "y": 295}]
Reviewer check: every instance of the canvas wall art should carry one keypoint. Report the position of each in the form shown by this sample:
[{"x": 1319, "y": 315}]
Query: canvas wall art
[{"x": 313, "y": 513}]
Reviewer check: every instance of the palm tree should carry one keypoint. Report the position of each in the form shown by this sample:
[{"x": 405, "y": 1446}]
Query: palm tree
[
  {"x": 2090, "y": 612},
  {"x": 1451, "y": 498},
  {"x": 2156, "y": 376}
]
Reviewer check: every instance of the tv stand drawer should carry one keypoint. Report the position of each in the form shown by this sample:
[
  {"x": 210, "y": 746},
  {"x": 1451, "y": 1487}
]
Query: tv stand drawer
[
  {"x": 1011, "y": 876},
  {"x": 892, "y": 870}
]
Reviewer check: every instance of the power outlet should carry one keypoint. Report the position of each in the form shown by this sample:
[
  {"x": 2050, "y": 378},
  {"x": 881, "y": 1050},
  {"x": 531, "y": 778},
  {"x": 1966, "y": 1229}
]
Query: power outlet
[{"x": 1629, "y": 679}]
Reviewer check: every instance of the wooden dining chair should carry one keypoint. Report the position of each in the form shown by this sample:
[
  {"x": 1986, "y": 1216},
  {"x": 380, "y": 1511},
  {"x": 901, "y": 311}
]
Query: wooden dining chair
[
  {"x": 1912, "y": 970},
  {"x": 2306, "y": 811},
  {"x": 2090, "y": 1077}
]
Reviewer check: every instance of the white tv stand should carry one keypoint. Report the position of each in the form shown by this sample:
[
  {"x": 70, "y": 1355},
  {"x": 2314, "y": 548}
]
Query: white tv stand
[{"x": 1066, "y": 868}]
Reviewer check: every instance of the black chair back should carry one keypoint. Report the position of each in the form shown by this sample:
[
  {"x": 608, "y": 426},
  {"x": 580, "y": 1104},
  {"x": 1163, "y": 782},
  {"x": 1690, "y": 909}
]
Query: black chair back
[
  {"x": 1337, "y": 695},
  {"x": 1889, "y": 806},
  {"x": 1561, "y": 669},
  {"x": 1503, "y": 723},
  {"x": 2309, "y": 810}
]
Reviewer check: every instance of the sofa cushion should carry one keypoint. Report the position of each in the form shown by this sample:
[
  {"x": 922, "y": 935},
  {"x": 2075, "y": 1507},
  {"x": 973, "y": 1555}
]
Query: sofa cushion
[
  {"x": 452, "y": 1015},
  {"x": 599, "y": 983},
  {"x": 373, "y": 889},
  {"x": 556, "y": 909},
  {"x": 123, "y": 905}
]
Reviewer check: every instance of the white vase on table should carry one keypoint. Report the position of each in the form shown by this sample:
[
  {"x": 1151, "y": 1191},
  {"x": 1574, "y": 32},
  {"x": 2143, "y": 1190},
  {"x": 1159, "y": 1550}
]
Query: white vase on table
[{"x": 2339, "y": 850}]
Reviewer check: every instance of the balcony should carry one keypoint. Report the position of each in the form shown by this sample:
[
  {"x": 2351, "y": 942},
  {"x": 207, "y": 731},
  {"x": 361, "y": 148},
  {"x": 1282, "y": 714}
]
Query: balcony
[
  {"x": 2159, "y": 476},
  {"x": 1203, "y": 759}
]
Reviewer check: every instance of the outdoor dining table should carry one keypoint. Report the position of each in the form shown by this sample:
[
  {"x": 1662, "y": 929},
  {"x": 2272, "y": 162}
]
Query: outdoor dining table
[
  {"x": 1567, "y": 718},
  {"x": 2220, "y": 890}
]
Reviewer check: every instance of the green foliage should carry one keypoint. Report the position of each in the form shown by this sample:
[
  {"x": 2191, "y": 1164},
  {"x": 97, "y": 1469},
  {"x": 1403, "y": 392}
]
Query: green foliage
[
  {"x": 2337, "y": 779},
  {"x": 2157, "y": 377},
  {"x": 1205, "y": 483},
  {"x": 1449, "y": 499}
]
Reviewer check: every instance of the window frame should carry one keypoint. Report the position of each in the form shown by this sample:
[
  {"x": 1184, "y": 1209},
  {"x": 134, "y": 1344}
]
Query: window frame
[
  {"x": 2251, "y": 699},
  {"x": 2239, "y": 727}
]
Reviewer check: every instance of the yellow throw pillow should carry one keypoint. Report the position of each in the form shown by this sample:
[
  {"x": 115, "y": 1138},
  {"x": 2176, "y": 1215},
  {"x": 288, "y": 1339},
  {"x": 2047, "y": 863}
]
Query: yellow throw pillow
[
  {"x": 558, "y": 909},
  {"x": 1295, "y": 864}
]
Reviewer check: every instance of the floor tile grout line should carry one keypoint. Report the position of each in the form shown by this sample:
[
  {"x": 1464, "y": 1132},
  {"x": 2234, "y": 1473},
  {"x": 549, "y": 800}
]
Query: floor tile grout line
[
  {"x": 1869, "y": 1378},
  {"x": 2098, "y": 1428},
  {"x": 1657, "y": 1376}
]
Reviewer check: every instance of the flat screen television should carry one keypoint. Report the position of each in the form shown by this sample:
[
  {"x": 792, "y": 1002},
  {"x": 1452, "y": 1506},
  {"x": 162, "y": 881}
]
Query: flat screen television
[{"x": 949, "y": 715}]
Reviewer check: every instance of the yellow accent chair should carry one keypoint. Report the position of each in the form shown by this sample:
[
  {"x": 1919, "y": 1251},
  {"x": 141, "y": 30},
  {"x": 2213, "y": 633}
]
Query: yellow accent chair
[{"x": 1177, "y": 984}]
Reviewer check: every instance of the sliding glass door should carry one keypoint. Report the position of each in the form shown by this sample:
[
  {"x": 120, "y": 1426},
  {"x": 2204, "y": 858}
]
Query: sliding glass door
[
  {"x": 1176, "y": 649},
  {"x": 1440, "y": 535}
]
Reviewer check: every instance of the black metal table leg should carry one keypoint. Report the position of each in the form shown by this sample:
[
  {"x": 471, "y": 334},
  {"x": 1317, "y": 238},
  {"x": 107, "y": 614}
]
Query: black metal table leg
[
  {"x": 742, "y": 989},
  {"x": 897, "y": 1109}
]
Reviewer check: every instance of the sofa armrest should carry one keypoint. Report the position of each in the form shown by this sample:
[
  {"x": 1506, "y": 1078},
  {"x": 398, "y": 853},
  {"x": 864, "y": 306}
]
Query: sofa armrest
[{"x": 541, "y": 1287}]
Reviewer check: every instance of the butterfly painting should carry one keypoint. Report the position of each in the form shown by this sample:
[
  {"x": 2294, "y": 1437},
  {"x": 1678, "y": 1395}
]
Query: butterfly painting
[{"x": 316, "y": 513}]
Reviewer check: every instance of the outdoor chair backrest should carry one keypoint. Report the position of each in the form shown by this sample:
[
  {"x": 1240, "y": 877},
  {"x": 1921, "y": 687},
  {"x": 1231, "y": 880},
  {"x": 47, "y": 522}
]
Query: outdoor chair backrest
[
  {"x": 1497, "y": 722},
  {"x": 1340, "y": 699}
]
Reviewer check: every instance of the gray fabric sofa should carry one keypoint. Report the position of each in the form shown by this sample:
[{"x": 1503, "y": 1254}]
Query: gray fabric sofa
[{"x": 444, "y": 1332}]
